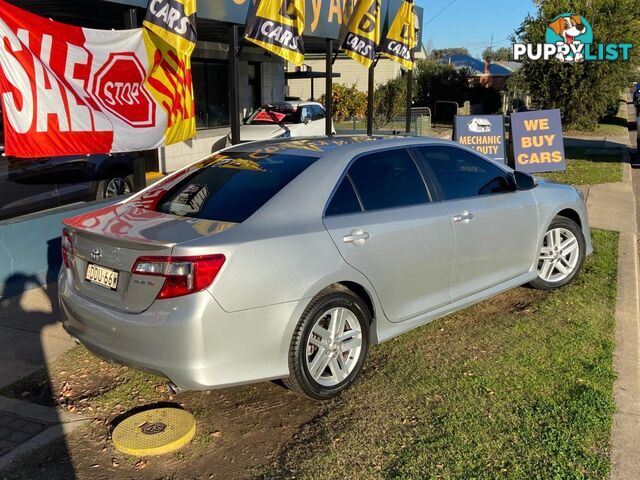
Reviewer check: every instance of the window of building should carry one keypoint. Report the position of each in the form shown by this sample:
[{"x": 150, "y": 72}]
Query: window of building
[{"x": 211, "y": 92}]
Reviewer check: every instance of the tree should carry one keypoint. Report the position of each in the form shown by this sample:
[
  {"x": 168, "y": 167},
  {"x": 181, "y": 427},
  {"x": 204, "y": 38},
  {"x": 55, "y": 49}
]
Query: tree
[
  {"x": 584, "y": 92},
  {"x": 347, "y": 102},
  {"x": 503, "y": 54},
  {"x": 437, "y": 81},
  {"x": 438, "y": 53},
  {"x": 389, "y": 101}
]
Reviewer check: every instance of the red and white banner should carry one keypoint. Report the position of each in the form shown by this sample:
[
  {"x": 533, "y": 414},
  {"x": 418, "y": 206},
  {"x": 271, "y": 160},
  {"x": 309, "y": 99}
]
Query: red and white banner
[{"x": 69, "y": 90}]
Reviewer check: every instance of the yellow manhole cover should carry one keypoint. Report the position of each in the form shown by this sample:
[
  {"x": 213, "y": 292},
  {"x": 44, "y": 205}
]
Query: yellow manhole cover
[{"x": 154, "y": 432}]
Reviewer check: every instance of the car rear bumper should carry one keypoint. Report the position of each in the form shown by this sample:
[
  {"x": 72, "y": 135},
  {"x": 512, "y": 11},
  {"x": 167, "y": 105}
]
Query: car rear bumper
[{"x": 191, "y": 340}]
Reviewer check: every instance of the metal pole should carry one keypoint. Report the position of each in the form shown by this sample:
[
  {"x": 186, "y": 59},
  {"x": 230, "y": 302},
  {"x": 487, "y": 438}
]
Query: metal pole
[
  {"x": 409, "y": 100},
  {"x": 234, "y": 97},
  {"x": 370, "y": 101},
  {"x": 328, "y": 91}
]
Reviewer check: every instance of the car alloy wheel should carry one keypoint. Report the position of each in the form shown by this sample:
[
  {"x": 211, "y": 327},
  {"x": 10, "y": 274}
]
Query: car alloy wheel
[
  {"x": 559, "y": 256},
  {"x": 115, "y": 187},
  {"x": 329, "y": 345},
  {"x": 334, "y": 347}
]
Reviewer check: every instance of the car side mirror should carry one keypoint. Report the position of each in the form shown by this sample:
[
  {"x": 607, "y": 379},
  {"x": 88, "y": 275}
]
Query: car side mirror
[
  {"x": 524, "y": 181},
  {"x": 306, "y": 119}
]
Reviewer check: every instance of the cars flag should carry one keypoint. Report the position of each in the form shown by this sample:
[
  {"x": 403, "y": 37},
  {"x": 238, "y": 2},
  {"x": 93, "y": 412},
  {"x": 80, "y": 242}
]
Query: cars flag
[
  {"x": 362, "y": 36},
  {"x": 277, "y": 26},
  {"x": 401, "y": 40},
  {"x": 68, "y": 90},
  {"x": 174, "y": 21}
]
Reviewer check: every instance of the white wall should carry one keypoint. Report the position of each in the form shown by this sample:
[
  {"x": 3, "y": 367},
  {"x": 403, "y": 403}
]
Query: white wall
[{"x": 351, "y": 72}]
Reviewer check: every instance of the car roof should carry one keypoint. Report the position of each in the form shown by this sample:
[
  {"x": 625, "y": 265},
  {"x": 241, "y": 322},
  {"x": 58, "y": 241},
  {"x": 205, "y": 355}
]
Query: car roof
[
  {"x": 324, "y": 145},
  {"x": 294, "y": 103}
]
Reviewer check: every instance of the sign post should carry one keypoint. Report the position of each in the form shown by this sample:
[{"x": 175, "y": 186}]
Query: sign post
[
  {"x": 483, "y": 133},
  {"x": 538, "y": 145}
]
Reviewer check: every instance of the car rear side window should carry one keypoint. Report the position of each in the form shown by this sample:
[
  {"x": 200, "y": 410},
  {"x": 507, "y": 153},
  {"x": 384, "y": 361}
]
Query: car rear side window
[
  {"x": 231, "y": 187},
  {"x": 344, "y": 200},
  {"x": 388, "y": 179},
  {"x": 462, "y": 174}
]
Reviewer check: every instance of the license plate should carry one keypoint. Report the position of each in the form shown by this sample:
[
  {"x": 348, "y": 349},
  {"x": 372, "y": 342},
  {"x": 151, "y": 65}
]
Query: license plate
[{"x": 105, "y": 277}]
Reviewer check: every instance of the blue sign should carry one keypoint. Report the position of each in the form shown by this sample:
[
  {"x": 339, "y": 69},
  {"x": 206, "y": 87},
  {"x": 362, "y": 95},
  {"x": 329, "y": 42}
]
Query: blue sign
[
  {"x": 538, "y": 145},
  {"x": 483, "y": 133}
]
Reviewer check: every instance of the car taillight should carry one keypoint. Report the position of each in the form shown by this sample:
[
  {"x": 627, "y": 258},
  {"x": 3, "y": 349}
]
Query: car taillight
[
  {"x": 183, "y": 275},
  {"x": 67, "y": 248}
]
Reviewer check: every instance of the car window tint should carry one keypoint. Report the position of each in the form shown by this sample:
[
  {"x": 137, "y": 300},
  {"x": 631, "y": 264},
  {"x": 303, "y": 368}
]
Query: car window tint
[
  {"x": 230, "y": 187},
  {"x": 344, "y": 200},
  {"x": 388, "y": 179},
  {"x": 462, "y": 174},
  {"x": 318, "y": 112}
]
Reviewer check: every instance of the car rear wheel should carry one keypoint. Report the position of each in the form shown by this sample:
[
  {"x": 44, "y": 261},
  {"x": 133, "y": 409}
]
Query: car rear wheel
[
  {"x": 117, "y": 184},
  {"x": 329, "y": 345},
  {"x": 561, "y": 256}
]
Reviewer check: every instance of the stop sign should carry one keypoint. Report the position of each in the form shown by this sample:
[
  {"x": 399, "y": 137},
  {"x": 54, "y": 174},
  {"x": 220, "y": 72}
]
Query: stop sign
[{"x": 119, "y": 87}]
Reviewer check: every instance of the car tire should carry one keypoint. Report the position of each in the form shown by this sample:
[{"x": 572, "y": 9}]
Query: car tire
[
  {"x": 116, "y": 184},
  {"x": 561, "y": 256},
  {"x": 323, "y": 365}
]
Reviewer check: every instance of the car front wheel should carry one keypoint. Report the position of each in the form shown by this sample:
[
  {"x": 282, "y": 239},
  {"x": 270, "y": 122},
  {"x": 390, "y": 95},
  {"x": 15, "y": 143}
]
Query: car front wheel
[
  {"x": 561, "y": 256},
  {"x": 329, "y": 345}
]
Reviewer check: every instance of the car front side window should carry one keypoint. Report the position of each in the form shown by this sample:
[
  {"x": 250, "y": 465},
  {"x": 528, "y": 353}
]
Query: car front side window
[{"x": 462, "y": 174}]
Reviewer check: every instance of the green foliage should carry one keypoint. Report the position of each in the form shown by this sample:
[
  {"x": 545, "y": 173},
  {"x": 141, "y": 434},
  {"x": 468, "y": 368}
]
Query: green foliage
[
  {"x": 389, "y": 101},
  {"x": 503, "y": 54},
  {"x": 442, "y": 82},
  {"x": 347, "y": 102},
  {"x": 437, "y": 54},
  {"x": 583, "y": 92}
]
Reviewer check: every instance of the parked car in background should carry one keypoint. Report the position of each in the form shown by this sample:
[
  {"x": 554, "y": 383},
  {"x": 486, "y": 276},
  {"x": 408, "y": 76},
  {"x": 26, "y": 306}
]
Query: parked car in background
[
  {"x": 283, "y": 120},
  {"x": 286, "y": 259},
  {"x": 33, "y": 184}
]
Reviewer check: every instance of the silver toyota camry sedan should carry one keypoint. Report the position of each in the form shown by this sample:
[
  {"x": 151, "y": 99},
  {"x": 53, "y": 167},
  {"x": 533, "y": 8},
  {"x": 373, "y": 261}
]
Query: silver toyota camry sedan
[{"x": 286, "y": 259}]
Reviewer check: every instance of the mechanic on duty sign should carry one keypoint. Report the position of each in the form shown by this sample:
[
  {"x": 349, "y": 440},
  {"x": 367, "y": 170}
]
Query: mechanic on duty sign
[
  {"x": 483, "y": 133},
  {"x": 538, "y": 145}
]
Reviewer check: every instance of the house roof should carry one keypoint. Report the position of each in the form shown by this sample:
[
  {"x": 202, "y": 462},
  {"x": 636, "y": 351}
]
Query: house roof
[{"x": 476, "y": 66}]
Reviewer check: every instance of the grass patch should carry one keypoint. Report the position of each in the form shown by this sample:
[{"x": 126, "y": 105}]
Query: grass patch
[
  {"x": 610, "y": 125},
  {"x": 516, "y": 387},
  {"x": 586, "y": 168}
]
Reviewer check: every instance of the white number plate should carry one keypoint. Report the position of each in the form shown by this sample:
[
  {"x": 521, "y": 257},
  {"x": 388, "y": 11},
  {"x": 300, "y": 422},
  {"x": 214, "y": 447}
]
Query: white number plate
[{"x": 105, "y": 277}]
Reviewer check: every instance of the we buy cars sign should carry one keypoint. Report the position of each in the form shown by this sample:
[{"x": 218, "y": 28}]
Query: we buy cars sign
[{"x": 69, "y": 90}]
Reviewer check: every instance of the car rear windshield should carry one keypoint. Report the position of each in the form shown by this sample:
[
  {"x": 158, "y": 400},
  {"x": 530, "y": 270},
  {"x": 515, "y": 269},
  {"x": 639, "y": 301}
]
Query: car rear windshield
[{"x": 231, "y": 187}]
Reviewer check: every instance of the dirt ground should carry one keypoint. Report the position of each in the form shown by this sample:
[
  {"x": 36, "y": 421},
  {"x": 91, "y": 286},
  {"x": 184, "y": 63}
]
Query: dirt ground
[{"x": 240, "y": 431}]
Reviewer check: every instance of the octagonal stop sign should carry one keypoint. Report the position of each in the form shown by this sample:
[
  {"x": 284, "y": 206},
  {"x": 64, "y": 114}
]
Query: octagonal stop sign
[{"x": 119, "y": 87}]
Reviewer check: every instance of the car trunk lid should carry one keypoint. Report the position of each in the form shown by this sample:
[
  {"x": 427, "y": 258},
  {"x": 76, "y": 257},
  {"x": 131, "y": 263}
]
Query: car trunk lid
[{"x": 113, "y": 238}]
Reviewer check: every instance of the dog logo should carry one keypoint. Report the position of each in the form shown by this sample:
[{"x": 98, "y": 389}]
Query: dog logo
[
  {"x": 569, "y": 39},
  {"x": 571, "y": 30}
]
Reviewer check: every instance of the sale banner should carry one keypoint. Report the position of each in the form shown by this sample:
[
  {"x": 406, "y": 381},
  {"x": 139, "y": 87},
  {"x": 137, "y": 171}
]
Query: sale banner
[
  {"x": 400, "y": 43},
  {"x": 538, "y": 145},
  {"x": 277, "y": 26},
  {"x": 69, "y": 90},
  {"x": 361, "y": 38},
  {"x": 174, "y": 21}
]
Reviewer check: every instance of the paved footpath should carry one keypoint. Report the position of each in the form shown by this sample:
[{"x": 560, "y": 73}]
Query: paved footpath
[{"x": 625, "y": 434}]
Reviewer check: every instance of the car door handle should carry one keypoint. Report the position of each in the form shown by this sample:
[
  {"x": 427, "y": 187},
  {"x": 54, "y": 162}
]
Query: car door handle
[
  {"x": 357, "y": 237},
  {"x": 463, "y": 217}
]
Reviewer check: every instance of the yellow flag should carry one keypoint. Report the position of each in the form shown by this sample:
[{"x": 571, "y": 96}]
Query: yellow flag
[
  {"x": 174, "y": 21},
  {"x": 401, "y": 39},
  {"x": 363, "y": 32},
  {"x": 277, "y": 26}
]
